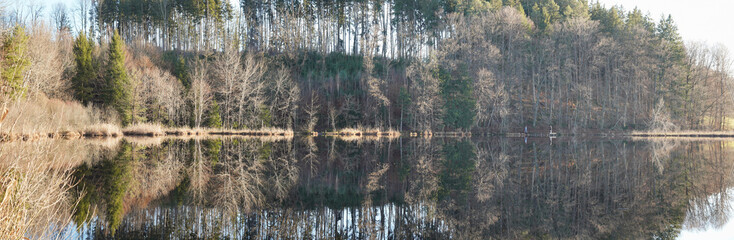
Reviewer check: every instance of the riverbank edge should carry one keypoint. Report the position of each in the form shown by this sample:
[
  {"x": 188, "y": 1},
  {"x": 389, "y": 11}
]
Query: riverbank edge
[{"x": 147, "y": 131}]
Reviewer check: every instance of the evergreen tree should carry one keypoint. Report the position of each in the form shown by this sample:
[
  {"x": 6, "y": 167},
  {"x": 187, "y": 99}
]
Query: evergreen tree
[
  {"x": 117, "y": 176},
  {"x": 459, "y": 102},
  {"x": 671, "y": 58},
  {"x": 118, "y": 93},
  {"x": 214, "y": 120},
  {"x": 610, "y": 20},
  {"x": 181, "y": 72},
  {"x": 15, "y": 63},
  {"x": 81, "y": 83},
  {"x": 457, "y": 170},
  {"x": 544, "y": 13}
]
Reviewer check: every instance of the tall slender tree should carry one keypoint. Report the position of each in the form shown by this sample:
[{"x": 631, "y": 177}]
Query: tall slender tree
[
  {"x": 81, "y": 83},
  {"x": 118, "y": 93},
  {"x": 15, "y": 63}
]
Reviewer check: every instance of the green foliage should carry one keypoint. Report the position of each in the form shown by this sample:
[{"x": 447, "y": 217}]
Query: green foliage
[
  {"x": 181, "y": 71},
  {"x": 117, "y": 176},
  {"x": 119, "y": 92},
  {"x": 266, "y": 118},
  {"x": 635, "y": 19},
  {"x": 544, "y": 13},
  {"x": 333, "y": 65},
  {"x": 456, "y": 89},
  {"x": 405, "y": 99},
  {"x": 81, "y": 83},
  {"x": 573, "y": 8},
  {"x": 179, "y": 193},
  {"x": 265, "y": 152},
  {"x": 213, "y": 118},
  {"x": 85, "y": 191},
  {"x": 667, "y": 31},
  {"x": 610, "y": 20},
  {"x": 213, "y": 147},
  {"x": 458, "y": 166},
  {"x": 672, "y": 58},
  {"x": 15, "y": 63}
]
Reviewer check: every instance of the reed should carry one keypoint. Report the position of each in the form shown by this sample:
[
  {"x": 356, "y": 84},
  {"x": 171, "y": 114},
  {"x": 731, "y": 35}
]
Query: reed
[
  {"x": 38, "y": 117},
  {"x": 145, "y": 129},
  {"x": 102, "y": 130},
  {"x": 679, "y": 134},
  {"x": 352, "y": 134}
]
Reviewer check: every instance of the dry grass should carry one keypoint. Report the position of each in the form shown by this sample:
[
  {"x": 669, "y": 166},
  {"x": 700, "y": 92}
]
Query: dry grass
[
  {"x": 346, "y": 132},
  {"x": 157, "y": 130},
  {"x": 263, "y": 132},
  {"x": 145, "y": 129},
  {"x": 452, "y": 134},
  {"x": 425, "y": 134},
  {"x": 679, "y": 134},
  {"x": 187, "y": 131},
  {"x": 102, "y": 130},
  {"x": 38, "y": 117},
  {"x": 361, "y": 133}
]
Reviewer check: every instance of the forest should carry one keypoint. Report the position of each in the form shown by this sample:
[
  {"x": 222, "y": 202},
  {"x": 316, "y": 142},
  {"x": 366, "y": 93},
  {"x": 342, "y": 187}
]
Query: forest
[{"x": 408, "y": 65}]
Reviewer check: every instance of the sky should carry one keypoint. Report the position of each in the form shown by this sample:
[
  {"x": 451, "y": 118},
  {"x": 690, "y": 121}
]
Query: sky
[{"x": 706, "y": 21}]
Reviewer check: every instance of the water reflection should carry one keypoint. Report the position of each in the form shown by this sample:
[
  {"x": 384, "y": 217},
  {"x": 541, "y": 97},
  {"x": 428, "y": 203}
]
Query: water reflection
[{"x": 403, "y": 189}]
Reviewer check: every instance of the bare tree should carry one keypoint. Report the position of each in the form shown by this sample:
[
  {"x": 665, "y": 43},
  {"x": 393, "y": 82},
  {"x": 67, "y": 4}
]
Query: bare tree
[
  {"x": 45, "y": 72},
  {"x": 284, "y": 93},
  {"x": 312, "y": 110},
  {"x": 229, "y": 75},
  {"x": 83, "y": 7},
  {"x": 660, "y": 118},
  {"x": 376, "y": 86},
  {"x": 200, "y": 93},
  {"x": 250, "y": 90},
  {"x": 425, "y": 94},
  {"x": 32, "y": 13},
  {"x": 491, "y": 98},
  {"x": 60, "y": 17},
  {"x": 168, "y": 94}
]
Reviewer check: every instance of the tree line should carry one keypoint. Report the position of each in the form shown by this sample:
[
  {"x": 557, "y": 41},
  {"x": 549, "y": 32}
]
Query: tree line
[{"x": 403, "y": 64}]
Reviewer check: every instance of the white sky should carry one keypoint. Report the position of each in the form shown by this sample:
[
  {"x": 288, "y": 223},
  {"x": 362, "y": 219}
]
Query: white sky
[{"x": 698, "y": 20}]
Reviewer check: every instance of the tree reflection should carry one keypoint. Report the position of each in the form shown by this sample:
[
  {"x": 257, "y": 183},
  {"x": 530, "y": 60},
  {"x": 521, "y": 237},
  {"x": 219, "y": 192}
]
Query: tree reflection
[{"x": 406, "y": 188}]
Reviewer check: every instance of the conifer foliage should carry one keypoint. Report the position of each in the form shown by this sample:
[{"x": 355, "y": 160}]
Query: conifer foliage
[
  {"x": 85, "y": 70},
  {"x": 118, "y": 93},
  {"x": 15, "y": 62}
]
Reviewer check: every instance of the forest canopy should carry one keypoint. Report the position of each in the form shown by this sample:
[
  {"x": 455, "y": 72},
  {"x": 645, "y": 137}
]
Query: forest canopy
[{"x": 441, "y": 65}]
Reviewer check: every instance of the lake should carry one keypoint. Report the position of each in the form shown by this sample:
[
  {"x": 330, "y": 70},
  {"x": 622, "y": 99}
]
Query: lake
[{"x": 404, "y": 188}]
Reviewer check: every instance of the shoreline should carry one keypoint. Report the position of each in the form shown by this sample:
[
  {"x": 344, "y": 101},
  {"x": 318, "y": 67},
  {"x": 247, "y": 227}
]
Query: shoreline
[{"x": 347, "y": 134}]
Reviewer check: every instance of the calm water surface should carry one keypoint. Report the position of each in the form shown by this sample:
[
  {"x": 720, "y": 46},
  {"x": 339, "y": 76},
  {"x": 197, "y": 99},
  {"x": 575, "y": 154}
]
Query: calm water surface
[{"x": 325, "y": 188}]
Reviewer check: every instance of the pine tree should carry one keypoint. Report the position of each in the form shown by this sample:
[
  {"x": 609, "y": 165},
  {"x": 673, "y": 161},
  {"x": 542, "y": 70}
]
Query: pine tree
[
  {"x": 118, "y": 93},
  {"x": 181, "y": 72},
  {"x": 544, "y": 13},
  {"x": 214, "y": 120},
  {"x": 15, "y": 63},
  {"x": 459, "y": 102},
  {"x": 85, "y": 70}
]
